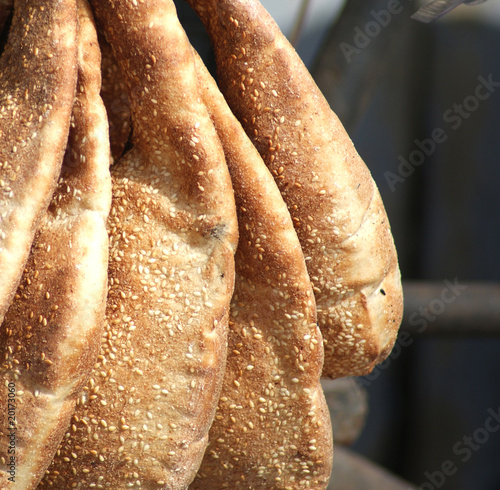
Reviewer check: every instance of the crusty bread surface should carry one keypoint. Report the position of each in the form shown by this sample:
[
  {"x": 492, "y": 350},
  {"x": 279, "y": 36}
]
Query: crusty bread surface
[
  {"x": 144, "y": 416},
  {"x": 116, "y": 99},
  {"x": 37, "y": 86},
  {"x": 272, "y": 427},
  {"x": 51, "y": 333},
  {"x": 334, "y": 203}
]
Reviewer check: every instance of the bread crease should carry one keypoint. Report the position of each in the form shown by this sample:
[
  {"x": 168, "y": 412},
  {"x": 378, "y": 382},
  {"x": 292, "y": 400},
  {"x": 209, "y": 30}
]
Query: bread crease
[
  {"x": 37, "y": 86},
  {"x": 272, "y": 427},
  {"x": 5, "y": 10},
  {"x": 51, "y": 333},
  {"x": 116, "y": 99}
]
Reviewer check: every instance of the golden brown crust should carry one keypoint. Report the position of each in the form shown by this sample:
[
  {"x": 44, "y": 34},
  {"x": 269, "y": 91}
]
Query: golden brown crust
[
  {"x": 272, "y": 428},
  {"x": 144, "y": 416},
  {"x": 51, "y": 334},
  {"x": 37, "y": 83},
  {"x": 334, "y": 203},
  {"x": 115, "y": 97}
]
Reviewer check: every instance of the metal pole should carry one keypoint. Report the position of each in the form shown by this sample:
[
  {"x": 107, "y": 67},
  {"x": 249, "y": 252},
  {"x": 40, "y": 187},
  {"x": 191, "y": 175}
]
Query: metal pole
[{"x": 452, "y": 308}]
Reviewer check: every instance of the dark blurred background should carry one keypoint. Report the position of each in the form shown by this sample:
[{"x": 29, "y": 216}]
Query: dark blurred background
[{"x": 422, "y": 105}]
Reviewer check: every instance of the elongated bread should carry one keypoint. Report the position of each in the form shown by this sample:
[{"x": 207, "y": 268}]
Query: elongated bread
[
  {"x": 272, "y": 428},
  {"x": 144, "y": 417},
  {"x": 51, "y": 333},
  {"x": 37, "y": 86},
  {"x": 334, "y": 203}
]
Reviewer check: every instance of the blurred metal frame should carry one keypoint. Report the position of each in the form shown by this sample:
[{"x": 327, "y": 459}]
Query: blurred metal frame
[{"x": 450, "y": 309}]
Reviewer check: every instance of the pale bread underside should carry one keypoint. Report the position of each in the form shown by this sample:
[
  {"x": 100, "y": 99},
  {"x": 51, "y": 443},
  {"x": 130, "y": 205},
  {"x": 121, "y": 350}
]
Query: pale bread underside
[
  {"x": 37, "y": 84},
  {"x": 51, "y": 332}
]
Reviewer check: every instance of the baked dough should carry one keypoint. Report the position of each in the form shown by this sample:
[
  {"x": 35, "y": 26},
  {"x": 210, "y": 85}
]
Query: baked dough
[
  {"x": 144, "y": 416},
  {"x": 272, "y": 427},
  {"x": 116, "y": 100},
  {"x": 37, "y": 87},
  {"x": 51, "y": 333},
  {"x": 334, "y": 203}
]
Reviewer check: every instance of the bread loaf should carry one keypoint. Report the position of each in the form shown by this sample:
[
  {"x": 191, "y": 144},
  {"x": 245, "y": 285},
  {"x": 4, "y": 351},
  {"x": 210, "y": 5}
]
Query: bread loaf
[
  {"x": 144, "y": 416},
  {"x": 334, "y": 203},
  {"x": 272, "y": 427},
  {"x": 51, "y": 333},
  {"x": 37, "y": 86}
]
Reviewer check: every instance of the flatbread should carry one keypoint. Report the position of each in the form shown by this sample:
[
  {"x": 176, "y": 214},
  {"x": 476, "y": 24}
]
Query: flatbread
[
  {"x": 334, "y": 203},
  {"x": 144, "y": 416},
  {"x": 37, "y": 86},
  {"x": 272, "y": 428},
  {"x": 51, "y": 334}
]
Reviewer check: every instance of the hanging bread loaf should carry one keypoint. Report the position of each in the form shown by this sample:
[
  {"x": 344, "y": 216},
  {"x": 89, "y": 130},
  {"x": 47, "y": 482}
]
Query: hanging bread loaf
[
  {"x": 143, "y": 418},
  {"x": 334, "y": 203},
  {"x": 272, "y": 428},
  {"x": 37, "y": 86},
  {"x": 51, "y": 333}
]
